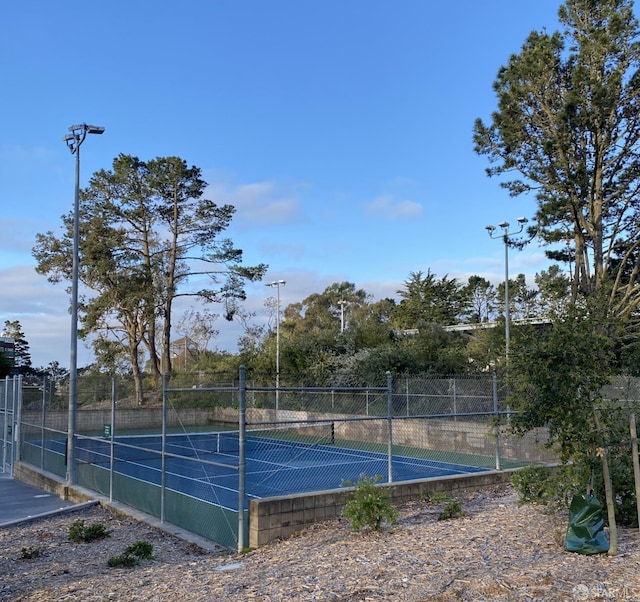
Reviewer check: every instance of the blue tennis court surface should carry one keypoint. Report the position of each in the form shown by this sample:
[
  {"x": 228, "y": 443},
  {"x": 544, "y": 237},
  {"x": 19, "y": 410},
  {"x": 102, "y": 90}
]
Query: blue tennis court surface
[{"x": 210, "y": 472}]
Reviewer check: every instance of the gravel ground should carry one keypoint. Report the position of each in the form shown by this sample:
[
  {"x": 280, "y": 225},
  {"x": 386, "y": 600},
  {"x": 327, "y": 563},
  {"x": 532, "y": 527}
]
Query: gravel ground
[{"x": 498, "y": 551}]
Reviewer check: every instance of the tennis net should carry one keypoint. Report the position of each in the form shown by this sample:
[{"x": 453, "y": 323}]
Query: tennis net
[{"x": 199, "y": 444}]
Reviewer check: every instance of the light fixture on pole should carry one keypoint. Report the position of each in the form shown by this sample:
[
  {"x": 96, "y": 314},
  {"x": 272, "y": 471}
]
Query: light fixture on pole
[
  {"x": 507, "y": 310},
  {"x": 277, "y": 284},
  {"x": 74, "y": 140}
]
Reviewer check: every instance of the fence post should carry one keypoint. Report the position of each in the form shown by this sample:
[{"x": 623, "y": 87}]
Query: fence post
[
  {"x": 112, "y": 433},
  {"x": 389, "y": 427},
  {"x": 165, "y": 394},
  {"x": 452, "y": 388},
  {"x": 5, "y": 429},
  {"x": 497, "y": 419},
  {"x": 17, "y": 419},
  {"x": 406, "y": 380},
  {"x": 43, "y": 421},
  {"x": 636, "y": 462},
  {"x": 243, "y": 540}
]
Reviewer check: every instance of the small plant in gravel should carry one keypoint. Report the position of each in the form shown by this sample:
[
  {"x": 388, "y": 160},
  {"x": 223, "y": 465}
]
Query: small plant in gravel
[
  {"x": 370, "y": 505},
  {"x": 123, "y": 561},
  {"x": 30, "y": 553},
  {"x": 81, "y": 532},
  {"x": 452, "y": 509},
  {"x": 140, "y": 550}
]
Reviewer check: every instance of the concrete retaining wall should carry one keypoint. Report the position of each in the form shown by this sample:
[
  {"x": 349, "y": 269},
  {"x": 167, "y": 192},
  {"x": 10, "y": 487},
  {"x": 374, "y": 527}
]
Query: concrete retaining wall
[{"x": 279, "y": 517}]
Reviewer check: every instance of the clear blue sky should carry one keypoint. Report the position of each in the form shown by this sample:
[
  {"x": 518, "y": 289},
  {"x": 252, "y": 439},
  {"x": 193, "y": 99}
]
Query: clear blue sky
[{"x": 340, "y": 130}]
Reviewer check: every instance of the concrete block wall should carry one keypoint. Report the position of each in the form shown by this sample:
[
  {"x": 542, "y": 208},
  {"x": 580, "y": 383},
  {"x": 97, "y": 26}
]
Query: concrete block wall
[{"x": 279, "y": 517}]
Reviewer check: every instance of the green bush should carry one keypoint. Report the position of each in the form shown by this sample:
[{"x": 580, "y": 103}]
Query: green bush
[
  {"x": 452, "y": 508},
  {"x": 81, "y": 532},
  {"x": 140, "y": 549},
  {"x": 132, "y": 555},
  {"x": 533, "y": 485},
  {"x": 124, "y": 560},
  {"x": 550, "y": 487},
  {"x": 30, "y": 553},
  {"x": 370, "y": 505}
]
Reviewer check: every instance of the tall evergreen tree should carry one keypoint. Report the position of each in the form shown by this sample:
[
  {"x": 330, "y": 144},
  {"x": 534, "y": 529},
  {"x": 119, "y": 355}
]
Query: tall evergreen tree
[
  {"x": 427, "y": 299},
  {"x": 568, "y": 126},
  {"x": 148, "y": 236},
  {"x": 22, "y": 358}
]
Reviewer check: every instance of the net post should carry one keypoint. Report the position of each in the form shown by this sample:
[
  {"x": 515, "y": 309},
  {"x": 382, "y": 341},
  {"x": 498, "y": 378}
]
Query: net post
[
  {"x": 389, "y": 428},
  {"x": 243, "y": 540}
]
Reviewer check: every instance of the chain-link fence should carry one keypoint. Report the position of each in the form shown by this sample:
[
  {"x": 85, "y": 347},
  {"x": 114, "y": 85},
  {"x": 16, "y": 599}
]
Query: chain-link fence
[
  {"x": 195, "y": 452},
  {"x": 11, "y": 392}
]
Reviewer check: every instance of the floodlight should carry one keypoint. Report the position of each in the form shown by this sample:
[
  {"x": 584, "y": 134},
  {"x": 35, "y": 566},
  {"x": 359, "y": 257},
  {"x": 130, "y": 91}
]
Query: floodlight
[{"x": 74, "y": 140}]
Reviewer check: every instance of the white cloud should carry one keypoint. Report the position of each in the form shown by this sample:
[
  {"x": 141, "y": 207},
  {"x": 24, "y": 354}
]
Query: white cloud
[
  {"x": 42, "y": 310},
  {"x": 389, "y": 207},
  {"x": 258, "y": 203}
]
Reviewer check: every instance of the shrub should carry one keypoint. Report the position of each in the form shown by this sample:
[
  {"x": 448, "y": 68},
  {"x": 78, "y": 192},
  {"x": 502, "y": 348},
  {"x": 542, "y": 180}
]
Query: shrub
[
  {"x": 452, "y": 509},
  {"x": 79, "y": 531},
  {"x": 550, "y": 487},
  {"x": 30, "y": 553},
  {"x": 533, "y": 484},
  {"x": 124, "y": 560},
  {"x": 132, "y": 555},
  {"x": 140, "y": 549},
  {"x": 370, "y": 505}
]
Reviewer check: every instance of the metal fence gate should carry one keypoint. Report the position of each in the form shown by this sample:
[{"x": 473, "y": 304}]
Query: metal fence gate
[{"x": 10, "y": 403}]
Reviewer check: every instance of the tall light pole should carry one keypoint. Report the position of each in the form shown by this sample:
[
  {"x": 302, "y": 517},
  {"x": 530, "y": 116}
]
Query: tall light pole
[
  {"x": 507, "y": 310},
  {"x": 277, "y": 284},
  {"x": 74, "y": 140}
]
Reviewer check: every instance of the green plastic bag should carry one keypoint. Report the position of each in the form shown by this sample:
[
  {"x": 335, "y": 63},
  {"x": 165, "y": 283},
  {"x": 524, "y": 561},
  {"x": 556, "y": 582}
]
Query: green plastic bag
[{"x": 585, "y": 534}]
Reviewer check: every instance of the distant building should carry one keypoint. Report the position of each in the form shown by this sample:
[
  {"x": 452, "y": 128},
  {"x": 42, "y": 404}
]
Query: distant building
[{"x": 8, "y": 349}]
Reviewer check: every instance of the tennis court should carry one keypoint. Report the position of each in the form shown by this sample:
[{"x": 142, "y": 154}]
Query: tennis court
[{"x": 206, "y": 465}]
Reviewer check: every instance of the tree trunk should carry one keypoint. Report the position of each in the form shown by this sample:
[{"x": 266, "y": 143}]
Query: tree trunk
[{"x": 137, "y": 379}]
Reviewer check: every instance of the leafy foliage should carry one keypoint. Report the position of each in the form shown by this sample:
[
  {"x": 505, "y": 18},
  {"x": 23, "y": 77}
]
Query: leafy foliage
[
  {"x": 550, "y": 487},
  {"x": 79, "y": 531},
  {"x": 557, "y": 379},
  {"x": 370, "y": 506},
  {"x": 22, "y": 358},
  {"x": 452, "y": 509},
  {"x": 30, "y": 553},
  {"x": 145, "y": 232},
  {"x": 140, "y": 550},
  {"x": 565, "y": 128}
]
